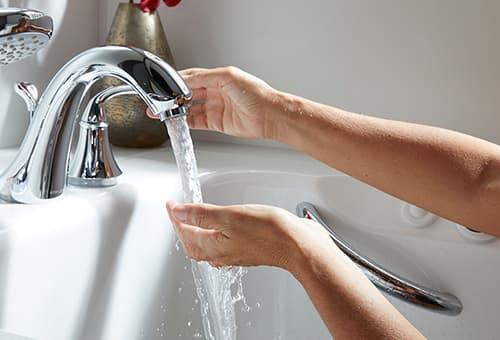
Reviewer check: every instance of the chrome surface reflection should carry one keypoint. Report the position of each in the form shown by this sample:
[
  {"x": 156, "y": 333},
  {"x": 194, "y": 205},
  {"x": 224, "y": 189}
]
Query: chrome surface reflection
[
  {"x": 39, "y": 170},
  {"x": 384, "y": 279}
]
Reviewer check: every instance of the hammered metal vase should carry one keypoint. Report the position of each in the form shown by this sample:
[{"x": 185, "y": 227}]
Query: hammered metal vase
[{"x": 128, "y": 124}]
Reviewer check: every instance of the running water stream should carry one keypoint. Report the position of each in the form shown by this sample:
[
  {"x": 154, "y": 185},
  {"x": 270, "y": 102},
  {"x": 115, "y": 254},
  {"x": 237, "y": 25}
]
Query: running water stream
[{"x": 213, "y": 286}]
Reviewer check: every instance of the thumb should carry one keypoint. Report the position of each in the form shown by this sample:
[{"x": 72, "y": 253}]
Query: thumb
[{"x": 205, "y": 216}]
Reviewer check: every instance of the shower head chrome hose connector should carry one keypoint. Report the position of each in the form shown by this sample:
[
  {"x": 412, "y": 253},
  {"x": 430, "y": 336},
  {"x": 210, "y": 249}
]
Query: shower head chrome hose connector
[{"x": 23, "y": 32}]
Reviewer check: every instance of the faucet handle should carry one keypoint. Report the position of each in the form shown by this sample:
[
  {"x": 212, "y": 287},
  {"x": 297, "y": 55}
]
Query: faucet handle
[{"x": 29, "y": 93}]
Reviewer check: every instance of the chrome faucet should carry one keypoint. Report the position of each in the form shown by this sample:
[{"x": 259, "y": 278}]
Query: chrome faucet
[{"x": 40, "y": 168}]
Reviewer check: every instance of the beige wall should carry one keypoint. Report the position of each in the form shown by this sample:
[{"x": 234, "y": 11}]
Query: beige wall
[{"x": 434, "y": 62}]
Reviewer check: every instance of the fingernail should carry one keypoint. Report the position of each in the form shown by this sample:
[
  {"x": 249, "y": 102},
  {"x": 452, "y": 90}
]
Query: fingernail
[{"x": 180, "y": 213}]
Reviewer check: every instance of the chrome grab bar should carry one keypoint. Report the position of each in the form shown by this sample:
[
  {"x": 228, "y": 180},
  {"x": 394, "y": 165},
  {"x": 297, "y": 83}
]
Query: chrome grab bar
[{"x": 384, "y": 279}]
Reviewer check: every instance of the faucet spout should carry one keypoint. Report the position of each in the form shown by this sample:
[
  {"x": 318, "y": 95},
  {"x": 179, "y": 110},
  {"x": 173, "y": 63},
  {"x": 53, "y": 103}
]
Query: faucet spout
[{"x": 39, "y": 170}]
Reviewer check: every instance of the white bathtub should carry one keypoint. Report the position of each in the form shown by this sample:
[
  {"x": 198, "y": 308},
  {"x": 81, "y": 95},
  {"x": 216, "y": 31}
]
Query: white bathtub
[{"x": 103, "y": 263}]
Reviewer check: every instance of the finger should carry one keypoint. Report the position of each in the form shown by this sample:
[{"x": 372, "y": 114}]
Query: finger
[
  {"x": 151, "y": 115},
  {"x": 207, "y": 115},
  {"x": 201, "y": 121},
  {"x": 212, "y": 97},
  {"x": 215, "y": 264},
  {"x": 199, "y": 94},
  {"x": 199, "y": 243},
  {"x": 204, "y": 216},
  {"x": 200, "y": 108},
  {"x": 202, "y": 244},
  {"x": 197, "y": 118},
  {"x": 188, "y": 71},
  {"x": 192, "y": 238},
  {"x": 217, "y": 77}
]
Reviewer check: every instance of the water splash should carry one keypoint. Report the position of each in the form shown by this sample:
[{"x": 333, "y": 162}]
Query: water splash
[{"x": 213, "y": 286}]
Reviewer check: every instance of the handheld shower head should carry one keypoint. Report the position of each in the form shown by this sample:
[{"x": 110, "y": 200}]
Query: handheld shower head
[{"x": 22, "y": 33}]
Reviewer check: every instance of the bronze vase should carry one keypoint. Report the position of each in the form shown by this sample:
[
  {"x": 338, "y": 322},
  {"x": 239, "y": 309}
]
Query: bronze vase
[{"x": 128, "y": 124}]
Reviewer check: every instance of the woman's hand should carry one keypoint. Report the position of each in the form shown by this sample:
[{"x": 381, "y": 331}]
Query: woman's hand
[
  {"x": 249, "y": 235},
  {"x": 244, "y": 235},
  {"x": 230, "y": 101}
]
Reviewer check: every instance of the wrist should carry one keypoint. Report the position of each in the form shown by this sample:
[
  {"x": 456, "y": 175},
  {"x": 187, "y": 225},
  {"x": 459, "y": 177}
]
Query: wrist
[
  {"x": 292, "y": 119},
  {"x": 283, "y": 109},
  {"x": 310, "y": 250}
]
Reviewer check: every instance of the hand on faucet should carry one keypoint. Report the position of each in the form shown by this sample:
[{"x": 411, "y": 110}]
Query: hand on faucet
[
  {"x": 436, "y": 169},
  {"x": 230, "y": 101}
]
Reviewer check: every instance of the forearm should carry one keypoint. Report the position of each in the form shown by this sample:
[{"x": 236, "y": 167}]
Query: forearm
[
  {"x": 350, "y": 306},
  {"x": 448, "y": 173}
]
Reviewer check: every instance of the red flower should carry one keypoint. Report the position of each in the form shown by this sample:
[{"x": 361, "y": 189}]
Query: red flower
[
  {"x": 150, "y": 6},
  {"x": 171, "y": 3}
]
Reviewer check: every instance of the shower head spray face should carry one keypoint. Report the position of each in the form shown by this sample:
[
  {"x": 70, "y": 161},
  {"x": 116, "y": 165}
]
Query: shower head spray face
[{"x": 23, "y": 32}]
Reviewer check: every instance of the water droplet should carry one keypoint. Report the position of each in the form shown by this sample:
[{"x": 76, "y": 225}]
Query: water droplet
[
  {"x": 257, "y": 305},
  {"x": 196, "y": 301},
  {"x": 197, "y": 335},
  {"x": 179, "y": 290},
  {"x": 178, "y": 245},
  {"x": 189, "y": 323}
]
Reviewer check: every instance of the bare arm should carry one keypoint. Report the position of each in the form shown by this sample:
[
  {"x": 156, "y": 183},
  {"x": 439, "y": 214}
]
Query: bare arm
[
  {"x": 451, "y": 174},
  {"x": 350, "y": 306}
]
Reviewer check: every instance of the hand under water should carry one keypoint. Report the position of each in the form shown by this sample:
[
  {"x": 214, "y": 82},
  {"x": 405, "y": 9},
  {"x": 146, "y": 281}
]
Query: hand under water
[{"x": 244, "y": 235}]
